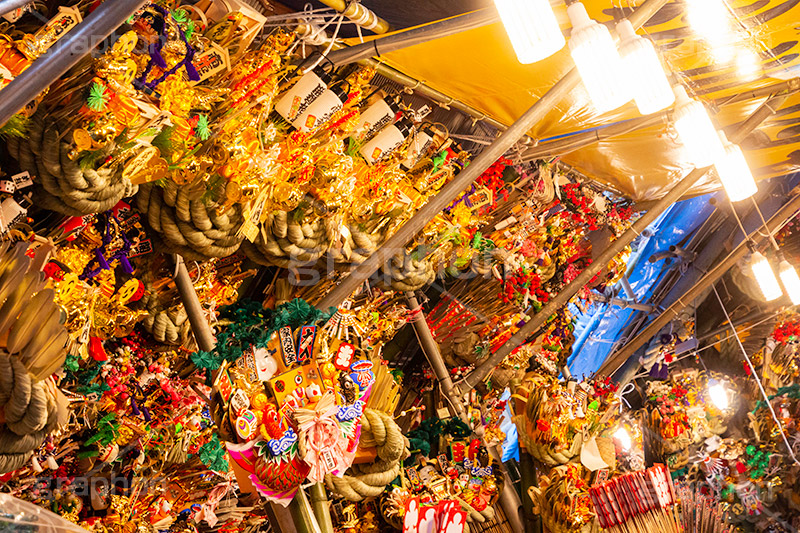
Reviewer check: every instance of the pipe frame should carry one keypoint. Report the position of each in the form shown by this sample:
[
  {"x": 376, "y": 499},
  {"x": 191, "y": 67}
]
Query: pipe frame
[{"x": 465, "y": 178}]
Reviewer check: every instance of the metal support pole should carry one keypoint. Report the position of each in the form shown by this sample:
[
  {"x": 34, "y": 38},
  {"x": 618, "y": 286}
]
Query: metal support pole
[
  {"x": 625, "y": 304},
  {"x": 404, "y": 39},
  {"x": 510, "y": 503},
  {"x": 509, "y": 498},
  {"x": 569, "y": 144},
  {"x": 626, "y": 286},
  {"x": 566, "y": 294},
  {"x": 565, "y": 145},
  {"x": 527, "y": 470},
  {"x": 766, "y": 109},
  {"x": 431, "y": 350},
  {"x": 359, "y": 14},
  {"x": 699, "y": 267},
  {"x": 432, "y": 94},
  {"x": 464, "y": 179},
  {"x": 612, "y": 363},
  {"x": 64, "y": 54},
  {"x": 197, "y": 318},
  {"x": 7, "y": 6}
]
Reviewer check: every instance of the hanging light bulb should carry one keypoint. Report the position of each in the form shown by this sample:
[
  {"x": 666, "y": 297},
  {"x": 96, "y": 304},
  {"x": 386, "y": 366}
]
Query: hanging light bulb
[
  {"x": 748, "y": 64},
  {"x": 724, "y": 53},
  {"x": 623, "y": 438},
  {"x": 651, "y": 90},
  {"x": 710, "y": 19},
  {"x": 597, "y": 60},
  {"x": 790, "y": 280},
  {"x": 734, "y": 173},
  {"x": 718, "y": 394},
  {"x": 765, "y": 277},
  {"x": 532, "y": 28},
  {"x": 700, "y": 141}
]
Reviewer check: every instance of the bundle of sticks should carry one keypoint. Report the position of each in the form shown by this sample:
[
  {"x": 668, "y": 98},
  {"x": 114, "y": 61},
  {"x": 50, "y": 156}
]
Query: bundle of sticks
[
  {"x": 642, "y": 501},
  {"x": 701, "y": 513}
]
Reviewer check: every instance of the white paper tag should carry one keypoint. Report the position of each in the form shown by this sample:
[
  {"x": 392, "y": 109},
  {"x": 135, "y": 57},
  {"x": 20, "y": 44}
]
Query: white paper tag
[{"x": 22, "y": 180}]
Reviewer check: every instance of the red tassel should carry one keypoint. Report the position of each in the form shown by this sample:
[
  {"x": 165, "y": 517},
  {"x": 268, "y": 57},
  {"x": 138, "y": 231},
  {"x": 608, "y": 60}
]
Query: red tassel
[{"x": 96, "y": 349}]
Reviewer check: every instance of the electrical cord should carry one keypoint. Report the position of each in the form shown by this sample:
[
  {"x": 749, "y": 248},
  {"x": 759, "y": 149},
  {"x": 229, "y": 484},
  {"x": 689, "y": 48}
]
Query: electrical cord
[
  {"x": 696, "y": 352},
  {"x": 330, "y": 46},
  {"x": 756, "y": 378}
]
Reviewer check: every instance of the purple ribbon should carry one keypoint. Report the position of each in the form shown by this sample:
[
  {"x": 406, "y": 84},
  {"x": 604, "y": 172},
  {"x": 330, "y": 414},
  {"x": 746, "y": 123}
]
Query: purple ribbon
[
  {"x": 464, "y": 198},
  {"x": 156, "y": 59},
  {"x": 100, "y": 259}
]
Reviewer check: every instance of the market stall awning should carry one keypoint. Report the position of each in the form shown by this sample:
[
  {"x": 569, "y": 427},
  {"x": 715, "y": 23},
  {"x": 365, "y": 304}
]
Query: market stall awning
[{"x": 479, "y": 68}]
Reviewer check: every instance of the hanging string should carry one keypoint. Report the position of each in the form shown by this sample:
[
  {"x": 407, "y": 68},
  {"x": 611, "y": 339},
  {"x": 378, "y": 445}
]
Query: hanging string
[
  {"x": 327, "y": 50},
  {"x": 764, "y": 222},
  {"x": 755, "y": 377},
  {"x": 697, "y": 352},
  {"x": 627, "y": 389},
  {"x": 738, "y": 221}
]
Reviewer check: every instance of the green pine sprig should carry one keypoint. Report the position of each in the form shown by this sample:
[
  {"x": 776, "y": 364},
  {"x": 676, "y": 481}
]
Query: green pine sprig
[
  {"x": 202, "y": 129},
  {"x": 98, "y": 97}
]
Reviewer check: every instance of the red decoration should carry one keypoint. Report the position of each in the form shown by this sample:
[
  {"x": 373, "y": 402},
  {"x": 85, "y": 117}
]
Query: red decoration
[{"x": 96, "y": 349}]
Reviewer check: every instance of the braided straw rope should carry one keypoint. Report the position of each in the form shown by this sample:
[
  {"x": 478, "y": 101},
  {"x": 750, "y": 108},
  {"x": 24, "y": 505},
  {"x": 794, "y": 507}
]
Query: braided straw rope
[
  {"x": 31, "y": 413},
  {"x": 167, "y": 326},
  {"x": 61, "y": 184},
  {"x": 286, "y": 242},
  {"x": 533, "y": 391},
  {"x": 35, "y": 338},
  {"x": 187, "y": 224},
  {"x": 554, "y": 503},
  {"x": 408, "y": 273},
  {"x": 362, "y": 481}
]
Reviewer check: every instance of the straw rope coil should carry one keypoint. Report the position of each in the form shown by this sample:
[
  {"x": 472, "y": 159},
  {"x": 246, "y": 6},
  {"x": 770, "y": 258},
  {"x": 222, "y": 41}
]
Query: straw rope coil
[
  {"x": 167, "y": 326},
  {"x": 363, "y": 481},
  {"x": 31, "y": 413},
  {"x": 187, "y": 224},
  {"x": 407, "y": 273},
  {"x": 287, "y": 242},
  {"x": 541, "y": 444},
  {"x": 35, "y": 339},
  {"x": 61, "y": 183},
  {"x": 284, "y": 241}
]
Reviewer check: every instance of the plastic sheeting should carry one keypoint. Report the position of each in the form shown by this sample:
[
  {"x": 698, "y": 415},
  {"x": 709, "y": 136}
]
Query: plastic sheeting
[
  {"x": 597, "y": 332},
  {"x": 19, "y": 515},
  {"x": 480, "y": 68}
]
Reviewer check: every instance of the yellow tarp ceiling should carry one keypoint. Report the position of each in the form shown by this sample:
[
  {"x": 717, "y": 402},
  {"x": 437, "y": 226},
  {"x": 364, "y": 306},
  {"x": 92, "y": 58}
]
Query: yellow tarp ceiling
[{"x": 480, "y": 68}]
